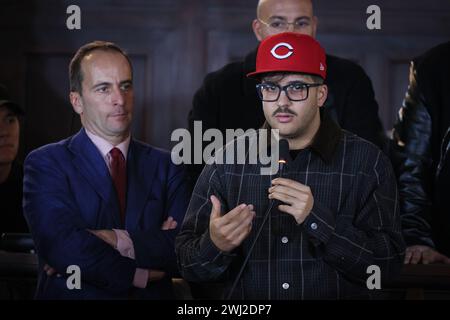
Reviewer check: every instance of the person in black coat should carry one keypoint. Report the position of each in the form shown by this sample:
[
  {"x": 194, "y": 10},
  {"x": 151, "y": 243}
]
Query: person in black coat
[
  {"x": 228, "y": 99},
  {"x": 11, "y": 172},
  {"x": 420, "y": 154}
]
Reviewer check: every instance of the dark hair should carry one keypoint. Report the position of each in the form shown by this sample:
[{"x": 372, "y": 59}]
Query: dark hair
[
  {"x": 75, "y": 73},
  {"x": 315, "y": 78}
]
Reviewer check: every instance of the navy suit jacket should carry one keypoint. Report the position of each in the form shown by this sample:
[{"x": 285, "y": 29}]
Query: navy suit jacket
[{"x": 68, "y": 189}]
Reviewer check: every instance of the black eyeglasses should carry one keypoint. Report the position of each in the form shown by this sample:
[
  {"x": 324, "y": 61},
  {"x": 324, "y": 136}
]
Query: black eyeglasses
[
  {"x": 282, "y": 25},
  {"x": 295, "y": 91}
]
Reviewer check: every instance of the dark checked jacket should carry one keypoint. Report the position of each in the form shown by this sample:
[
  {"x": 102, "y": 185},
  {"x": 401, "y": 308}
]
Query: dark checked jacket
[{"x": 354, "y": 223}]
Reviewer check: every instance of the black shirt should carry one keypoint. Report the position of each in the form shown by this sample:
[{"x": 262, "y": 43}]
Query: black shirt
[{"x": 11, "y": 214}]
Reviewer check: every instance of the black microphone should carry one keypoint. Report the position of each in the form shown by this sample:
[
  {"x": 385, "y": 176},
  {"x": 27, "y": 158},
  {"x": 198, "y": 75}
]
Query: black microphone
[{"x": 284, "y": 158}]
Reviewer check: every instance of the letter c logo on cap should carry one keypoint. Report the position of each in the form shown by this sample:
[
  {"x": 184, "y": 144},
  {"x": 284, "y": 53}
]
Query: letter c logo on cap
[{"x": 284, "y": 56}]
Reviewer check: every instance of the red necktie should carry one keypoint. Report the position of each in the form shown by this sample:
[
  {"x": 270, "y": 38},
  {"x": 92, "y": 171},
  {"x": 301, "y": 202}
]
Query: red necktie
[{"x": 119, "y": 176}]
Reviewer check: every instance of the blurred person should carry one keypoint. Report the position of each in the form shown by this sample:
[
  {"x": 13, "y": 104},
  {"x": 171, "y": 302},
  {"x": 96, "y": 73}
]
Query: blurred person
[
  {"x": 421, "y": 142},
  {"x": 11, "y": 171}
]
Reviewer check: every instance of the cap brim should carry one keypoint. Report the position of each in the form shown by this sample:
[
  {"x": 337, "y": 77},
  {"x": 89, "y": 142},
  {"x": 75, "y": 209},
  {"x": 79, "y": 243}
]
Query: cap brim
[
  {"x": 260, "y": 73},
  {"x": 12, "y": 106}
]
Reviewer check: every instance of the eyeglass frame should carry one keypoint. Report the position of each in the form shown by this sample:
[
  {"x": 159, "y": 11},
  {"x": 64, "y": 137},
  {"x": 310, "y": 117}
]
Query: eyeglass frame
[
  {"x": 294, "y": 24},
  {"x": 284, "y": 88}
]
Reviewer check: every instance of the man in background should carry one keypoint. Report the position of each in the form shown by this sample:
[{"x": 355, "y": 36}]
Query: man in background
[
  {"x": 421, "y": 158},
  {"x": 11, "y": 172}
]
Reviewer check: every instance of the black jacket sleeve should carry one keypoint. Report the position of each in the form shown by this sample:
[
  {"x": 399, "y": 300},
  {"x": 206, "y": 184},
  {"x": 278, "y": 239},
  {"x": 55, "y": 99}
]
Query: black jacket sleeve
[{"x": 412, "y": 160}]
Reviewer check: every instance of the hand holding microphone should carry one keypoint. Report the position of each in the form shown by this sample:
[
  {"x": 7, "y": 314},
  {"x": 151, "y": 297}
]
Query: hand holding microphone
[
  {"x": 290, "y": 196},
  {"x": 296, "y": 197}
]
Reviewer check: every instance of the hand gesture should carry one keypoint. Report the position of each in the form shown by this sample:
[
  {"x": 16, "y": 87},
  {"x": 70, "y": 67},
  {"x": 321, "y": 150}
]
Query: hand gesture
[{"x": 229, "y": 230}]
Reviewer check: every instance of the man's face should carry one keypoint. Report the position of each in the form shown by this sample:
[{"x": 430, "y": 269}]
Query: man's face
[
  {"x": 106, "y": 103},
  {"x": 9, "y": 135},
  {"x": 294, "y": 118},
  {"x": 273, "y": 13}
]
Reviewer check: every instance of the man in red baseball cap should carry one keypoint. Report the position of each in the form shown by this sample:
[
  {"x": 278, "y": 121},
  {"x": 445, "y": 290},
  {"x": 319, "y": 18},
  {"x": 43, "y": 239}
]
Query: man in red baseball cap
[
  {"x": 296, "y": 65},
  {"x": 335, "y": 210}
]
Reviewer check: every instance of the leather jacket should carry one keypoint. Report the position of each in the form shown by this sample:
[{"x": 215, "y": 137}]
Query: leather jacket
[
  {"x": 420, "y": 152},
  {"x": 411, "y": 157}
]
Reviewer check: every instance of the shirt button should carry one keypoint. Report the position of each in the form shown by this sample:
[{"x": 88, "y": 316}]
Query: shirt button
[
  {"x": 285, "y": 286},
  {"x": 285, "y": 240},
  {"x": 314, "y": 226}
]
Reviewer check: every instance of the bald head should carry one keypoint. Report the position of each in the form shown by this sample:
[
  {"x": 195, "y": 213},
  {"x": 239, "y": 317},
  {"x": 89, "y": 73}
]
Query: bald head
[
  {"x": 276, "y": 16},
  {"x": 264, "y": 5}
]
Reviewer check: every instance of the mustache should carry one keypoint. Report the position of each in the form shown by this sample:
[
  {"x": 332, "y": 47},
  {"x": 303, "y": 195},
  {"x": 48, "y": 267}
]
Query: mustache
[{"x": 285, "y": 110}]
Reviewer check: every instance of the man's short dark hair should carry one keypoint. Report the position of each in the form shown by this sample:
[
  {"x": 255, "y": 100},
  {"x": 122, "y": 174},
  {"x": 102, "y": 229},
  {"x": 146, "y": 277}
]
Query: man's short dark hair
[
  {"x": 315, "y": 78},
  {"x": 75, "y": 72}
]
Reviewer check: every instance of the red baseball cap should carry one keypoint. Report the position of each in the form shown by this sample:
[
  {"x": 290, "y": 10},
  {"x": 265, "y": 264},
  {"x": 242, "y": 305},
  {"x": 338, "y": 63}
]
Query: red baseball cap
[{"x": 290, "y": 52}]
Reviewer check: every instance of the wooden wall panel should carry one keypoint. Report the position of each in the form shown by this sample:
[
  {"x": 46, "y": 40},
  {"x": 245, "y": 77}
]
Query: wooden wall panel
[
  {"x": 174, "y": 43},
  {"x": 50, "y": 116}
]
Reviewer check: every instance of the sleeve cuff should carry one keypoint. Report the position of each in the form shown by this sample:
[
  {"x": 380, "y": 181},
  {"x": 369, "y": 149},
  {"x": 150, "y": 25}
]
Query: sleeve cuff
[
  {"x": 124, "y": 244},
  {"x": 320, "y": 224},
  {"x": 210, "y": 252},
  {"x": 140, "y": 278}
]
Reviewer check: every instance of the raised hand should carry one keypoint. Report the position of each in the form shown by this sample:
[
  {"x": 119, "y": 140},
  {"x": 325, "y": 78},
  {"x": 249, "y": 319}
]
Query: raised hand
[{"x": 229, "y": 230}]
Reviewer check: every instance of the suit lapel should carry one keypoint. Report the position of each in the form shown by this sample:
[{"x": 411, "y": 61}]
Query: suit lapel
[
  {"x": 89, "y": 162},
  {"x": 141, "y": 170}
]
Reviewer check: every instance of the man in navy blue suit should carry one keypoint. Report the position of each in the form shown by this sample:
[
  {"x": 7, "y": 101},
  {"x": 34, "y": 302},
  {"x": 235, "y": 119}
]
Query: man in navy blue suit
[{"x": 100, "y": 200}]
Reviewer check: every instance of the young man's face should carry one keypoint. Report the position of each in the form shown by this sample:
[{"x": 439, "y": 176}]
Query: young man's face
[
  {"x": 294, "y": 119},
  {"x": 273, "y": 13},
  {"x": 9, "y": 135},
  {"x": 106, "y": 103}
]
